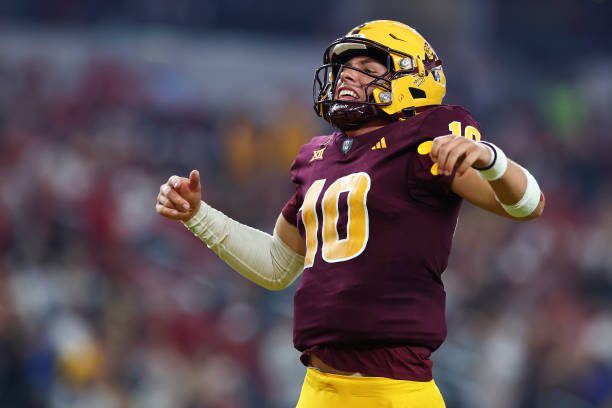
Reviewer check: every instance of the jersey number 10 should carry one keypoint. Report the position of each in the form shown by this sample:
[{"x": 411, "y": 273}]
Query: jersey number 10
[{"x": 334, "y": 249}]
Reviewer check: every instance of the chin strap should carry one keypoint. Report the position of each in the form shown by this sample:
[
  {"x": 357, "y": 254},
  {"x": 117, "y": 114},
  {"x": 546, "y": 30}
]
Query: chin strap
[{"x": 352, "y": 115}]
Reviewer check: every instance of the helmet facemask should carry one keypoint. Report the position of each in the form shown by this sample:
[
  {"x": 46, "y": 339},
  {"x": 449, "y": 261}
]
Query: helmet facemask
[{"x": 345, "y": 114}]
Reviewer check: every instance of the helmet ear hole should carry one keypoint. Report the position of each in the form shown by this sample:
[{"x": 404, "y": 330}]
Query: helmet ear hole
[{"x": 417, "y": 93}]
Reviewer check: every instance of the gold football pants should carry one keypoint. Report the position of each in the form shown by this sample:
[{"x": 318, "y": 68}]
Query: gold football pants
[{"x": 323, "y": 390}]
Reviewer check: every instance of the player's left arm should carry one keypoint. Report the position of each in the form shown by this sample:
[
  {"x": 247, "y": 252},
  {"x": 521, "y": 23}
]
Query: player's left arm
[{"x": 502, "y": 187}]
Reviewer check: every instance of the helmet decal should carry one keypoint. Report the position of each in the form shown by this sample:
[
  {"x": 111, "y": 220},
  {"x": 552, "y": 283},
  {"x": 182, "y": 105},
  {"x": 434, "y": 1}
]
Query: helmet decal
[{"x": 429, "y": 54}]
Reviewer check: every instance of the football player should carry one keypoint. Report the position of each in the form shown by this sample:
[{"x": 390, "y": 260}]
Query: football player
[{"x": 371, "y": 221}]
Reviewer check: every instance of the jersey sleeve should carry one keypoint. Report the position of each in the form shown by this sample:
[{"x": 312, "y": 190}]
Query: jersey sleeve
[
  {"x": 442, "y": 121},
  {"x": 293, "y": 205},
  {"x": 291, "y": 208},
  {"x": 299, "y": 172}
]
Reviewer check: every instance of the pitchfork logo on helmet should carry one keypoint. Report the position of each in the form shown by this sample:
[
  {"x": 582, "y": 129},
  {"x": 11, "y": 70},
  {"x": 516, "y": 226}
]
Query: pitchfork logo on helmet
[
  {"x": 414, "y": 75},
  {"x": 429, "y": 54}
]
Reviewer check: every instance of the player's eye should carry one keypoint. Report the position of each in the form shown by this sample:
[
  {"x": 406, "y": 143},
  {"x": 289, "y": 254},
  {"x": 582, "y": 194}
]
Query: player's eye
[{"x": 374, "y": 71}]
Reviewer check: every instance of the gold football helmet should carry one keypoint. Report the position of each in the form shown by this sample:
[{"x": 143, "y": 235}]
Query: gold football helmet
[{"x": 414, "y": 75}]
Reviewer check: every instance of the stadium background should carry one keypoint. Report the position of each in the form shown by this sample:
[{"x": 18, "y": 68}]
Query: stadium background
[{"x": 105, "y": 304}]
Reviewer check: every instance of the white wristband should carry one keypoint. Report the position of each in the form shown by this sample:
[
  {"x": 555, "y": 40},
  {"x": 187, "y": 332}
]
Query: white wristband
[
  {"x": 498, "y": 166},
  {"x": 530, "y": 200}
]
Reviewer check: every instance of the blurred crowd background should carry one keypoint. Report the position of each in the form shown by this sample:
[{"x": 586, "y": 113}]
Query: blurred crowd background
[{"x": 105, "y": 304}]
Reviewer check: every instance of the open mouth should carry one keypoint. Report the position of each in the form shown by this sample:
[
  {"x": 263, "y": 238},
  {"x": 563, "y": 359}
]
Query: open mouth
[{"x": 346, "y": 94}]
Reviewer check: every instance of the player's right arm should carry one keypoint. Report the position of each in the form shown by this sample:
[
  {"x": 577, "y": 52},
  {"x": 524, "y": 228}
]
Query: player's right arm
[{"x": 272, "y": 261}]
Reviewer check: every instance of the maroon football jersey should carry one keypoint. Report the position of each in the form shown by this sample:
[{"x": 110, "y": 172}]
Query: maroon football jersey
[{"x": 378, "y": 226}]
